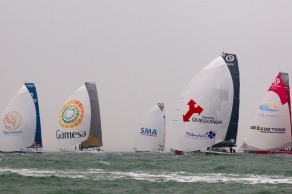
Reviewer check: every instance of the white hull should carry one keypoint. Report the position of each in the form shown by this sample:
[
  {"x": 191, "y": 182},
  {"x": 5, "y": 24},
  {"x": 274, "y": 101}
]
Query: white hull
[
  {"x": 32, "y": 150},
  {"x": 207, "y": 152},
  {"x": 28, "y": 150},
  {"x": 90, "y": 150},
  {"x": 153, "y": 151}
]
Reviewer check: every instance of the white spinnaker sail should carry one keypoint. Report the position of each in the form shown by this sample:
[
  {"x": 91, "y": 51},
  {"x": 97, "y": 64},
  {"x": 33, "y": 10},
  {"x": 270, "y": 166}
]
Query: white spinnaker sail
[
  {"x": 204, "y": 108},
  {"x": 18, "y": 122},
  {"x": 74, "y": 119},
  {"x": 271, "y": 127},
  {"x": 151, "y": 134}
]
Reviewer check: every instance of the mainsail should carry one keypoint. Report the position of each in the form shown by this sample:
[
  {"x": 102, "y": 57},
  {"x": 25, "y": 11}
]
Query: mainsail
[
  {"x": 19, "y": 120},
  {"x": 95, "y": 134},
  {"x": 38, "y": 134},
  {"x": 208, "y": 109},
  {"x": 79, "y": 119},
  {"x": 151, "y": 134},
  {"x": 271, "y": 126}
]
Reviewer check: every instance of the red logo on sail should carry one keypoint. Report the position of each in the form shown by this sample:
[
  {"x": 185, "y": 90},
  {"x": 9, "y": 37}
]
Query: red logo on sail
[
  {"x": 278, "y": 87},
  {"x": 230, "y": 58},
  {"x": 192, "y": 110},
  {"x": 277, "y": 82}
]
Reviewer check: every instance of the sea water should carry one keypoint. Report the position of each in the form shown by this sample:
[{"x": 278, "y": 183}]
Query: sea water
[{"x": 144, "y": 173}]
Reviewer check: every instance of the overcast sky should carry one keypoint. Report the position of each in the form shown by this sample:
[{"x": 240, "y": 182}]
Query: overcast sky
[{"x": 139, "y": 52}]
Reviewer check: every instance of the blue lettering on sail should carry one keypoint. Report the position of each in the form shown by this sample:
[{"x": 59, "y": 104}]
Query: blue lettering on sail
[
  {"x": 148, "y": 132},
  {"x": 207, "y": 135},
  {"x": 12, "y": 133}
]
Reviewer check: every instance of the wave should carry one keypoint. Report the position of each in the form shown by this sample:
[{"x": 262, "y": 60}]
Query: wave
[
  {"x": 104, "y": 162},
  {"x": 183, "y": 177}
]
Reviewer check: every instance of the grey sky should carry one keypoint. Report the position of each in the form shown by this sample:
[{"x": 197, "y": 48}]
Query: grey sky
[{"x": 138, "y": 52}]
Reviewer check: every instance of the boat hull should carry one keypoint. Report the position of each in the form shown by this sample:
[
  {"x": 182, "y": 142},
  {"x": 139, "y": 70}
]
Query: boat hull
[
  {"x": 89, "y": 150},
  {"x": 218, "y": 153},
  {"x": 271, "y": 152}
]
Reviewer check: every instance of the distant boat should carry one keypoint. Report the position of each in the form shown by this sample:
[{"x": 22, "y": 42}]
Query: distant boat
[
  {"x": 79, "y": 127},
  {"x": 151, "y": 134},
  {"x": 270, "y": 130},
  {"x": 20, "y": 126},
  {"x": 208, "y": 109}
]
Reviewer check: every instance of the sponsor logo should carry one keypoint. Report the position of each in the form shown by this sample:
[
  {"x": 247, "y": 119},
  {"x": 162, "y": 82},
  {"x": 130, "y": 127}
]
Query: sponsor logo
[
  {"x": 269, "y": 107},
  {"x": 11, "y": 122},
  {"x": 209, "y": 120},
  {"x": 268, "y": 115},
  {"x": 148, "y": 132},
  {"x": 71, "y": 114},
  {"x": 12, "y": 133},
  {"x": 70, "y": 135},
  {"x": 268, "y": 129},
  {"x": 229, "y": 58},
  {"x": 192, "y": 110},
  {"x": 207, "y": 135},
  {"x": 276, "y": 82},
  {"x": 34, "y": 99}
]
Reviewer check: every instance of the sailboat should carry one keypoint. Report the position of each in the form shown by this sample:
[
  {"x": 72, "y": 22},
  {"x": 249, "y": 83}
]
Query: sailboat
[
  {"x": 208, "y": 109},
  {"x": 151, "y": 134},
  {"x": 270, "y": 129},
  {"x": 20, "y": 126},
  {"x": 79, "y": 126}
]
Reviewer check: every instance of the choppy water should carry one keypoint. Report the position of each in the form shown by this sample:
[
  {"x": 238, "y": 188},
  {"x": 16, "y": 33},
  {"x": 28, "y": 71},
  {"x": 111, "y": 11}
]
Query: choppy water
[{"x": 144, "y": 173}]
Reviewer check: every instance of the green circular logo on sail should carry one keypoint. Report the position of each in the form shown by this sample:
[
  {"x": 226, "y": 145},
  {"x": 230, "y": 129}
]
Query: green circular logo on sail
[{"x": 71, "y": 114}]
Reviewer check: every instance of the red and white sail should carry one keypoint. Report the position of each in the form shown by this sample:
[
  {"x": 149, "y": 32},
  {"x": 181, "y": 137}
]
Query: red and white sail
[{"x": 271, "y": 126}]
